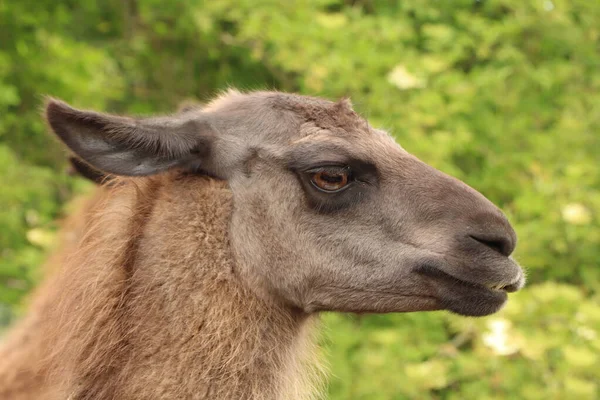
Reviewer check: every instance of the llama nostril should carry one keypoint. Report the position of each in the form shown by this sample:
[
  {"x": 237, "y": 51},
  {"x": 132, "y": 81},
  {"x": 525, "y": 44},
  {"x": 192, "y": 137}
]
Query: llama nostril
[{"x": 502, "y": 245}]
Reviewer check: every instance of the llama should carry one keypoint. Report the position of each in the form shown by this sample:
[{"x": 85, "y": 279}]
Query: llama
[{"x": 224, "y": 232}]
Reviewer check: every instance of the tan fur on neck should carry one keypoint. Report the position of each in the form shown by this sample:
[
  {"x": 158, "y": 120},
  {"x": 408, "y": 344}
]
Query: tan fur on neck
[{"x": 150, "y": 306}]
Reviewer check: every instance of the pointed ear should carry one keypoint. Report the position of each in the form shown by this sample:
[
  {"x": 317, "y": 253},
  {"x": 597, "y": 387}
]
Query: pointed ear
[
  {"x": 133, "y": 146},
  {"x": 87, "y": 171}
]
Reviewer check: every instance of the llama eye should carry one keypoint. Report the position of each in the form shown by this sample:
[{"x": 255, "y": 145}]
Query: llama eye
[{"x": 331, "y": 179}]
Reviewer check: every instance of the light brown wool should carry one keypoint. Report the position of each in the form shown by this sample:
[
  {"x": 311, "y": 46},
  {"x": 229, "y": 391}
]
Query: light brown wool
[
  {"x": 125, "y": 332},
  {"x": 204, "y": 278}
]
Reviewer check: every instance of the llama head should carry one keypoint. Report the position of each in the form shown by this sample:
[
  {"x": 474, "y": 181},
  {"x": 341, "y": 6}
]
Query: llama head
[{"x": 328, "y": 212}]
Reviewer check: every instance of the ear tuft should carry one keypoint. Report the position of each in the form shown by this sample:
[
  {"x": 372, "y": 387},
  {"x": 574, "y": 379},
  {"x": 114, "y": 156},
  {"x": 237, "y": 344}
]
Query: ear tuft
[{"x": 345, "y": 103}]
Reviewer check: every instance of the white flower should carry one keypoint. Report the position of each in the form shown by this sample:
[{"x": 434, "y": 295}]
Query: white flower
[
  {"x": 586, "y": 333},
  {"x": 497, "y": 338},
  {"x": 576, "y": 214},
  {"x": 402, "y": 79}
]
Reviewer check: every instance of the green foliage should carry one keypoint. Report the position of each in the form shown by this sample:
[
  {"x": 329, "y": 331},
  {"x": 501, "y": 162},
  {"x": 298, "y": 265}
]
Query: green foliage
[
  {"x": 544, "y": 345},
  {"x": 503, "y": 94}
]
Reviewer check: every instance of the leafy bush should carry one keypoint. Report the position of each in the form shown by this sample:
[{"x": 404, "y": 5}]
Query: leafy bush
[
  {"x": 503, "y": 94},
  {"x": 544, "y": 345}
]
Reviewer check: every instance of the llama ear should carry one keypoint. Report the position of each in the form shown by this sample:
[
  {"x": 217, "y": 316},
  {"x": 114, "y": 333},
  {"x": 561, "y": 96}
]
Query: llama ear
[
  {"x": 87, "y": 171},
  {"x": 133, "y": 146}
]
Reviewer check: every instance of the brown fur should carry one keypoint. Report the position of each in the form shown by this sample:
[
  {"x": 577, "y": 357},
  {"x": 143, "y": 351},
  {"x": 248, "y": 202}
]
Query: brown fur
[
  {"x": 204, "y": 279},
  {"x": 166, "y": 330}
]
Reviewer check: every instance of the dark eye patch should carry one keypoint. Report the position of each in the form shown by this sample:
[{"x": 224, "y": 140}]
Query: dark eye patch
[{"x": 303, "y": 161}]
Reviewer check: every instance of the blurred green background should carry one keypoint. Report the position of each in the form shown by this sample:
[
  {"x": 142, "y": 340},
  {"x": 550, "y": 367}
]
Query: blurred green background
[{"x": 503, "y": 94}]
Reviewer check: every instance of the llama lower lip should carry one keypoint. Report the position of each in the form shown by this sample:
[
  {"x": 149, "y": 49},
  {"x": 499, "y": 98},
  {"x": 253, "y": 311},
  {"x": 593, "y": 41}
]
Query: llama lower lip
[
  {"x": 462, "y": 297},
  {"x": 475, "y": 304}
]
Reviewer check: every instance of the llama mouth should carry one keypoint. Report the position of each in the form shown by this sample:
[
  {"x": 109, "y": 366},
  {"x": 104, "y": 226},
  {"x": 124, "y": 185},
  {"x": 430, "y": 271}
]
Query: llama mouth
[
  {"x": 515, "y": 285},
  {"x": 469, "y": 298}
]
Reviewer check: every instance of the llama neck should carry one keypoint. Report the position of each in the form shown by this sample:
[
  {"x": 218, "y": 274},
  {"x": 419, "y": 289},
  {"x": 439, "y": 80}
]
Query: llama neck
[{"x": 172, "y": 319}]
